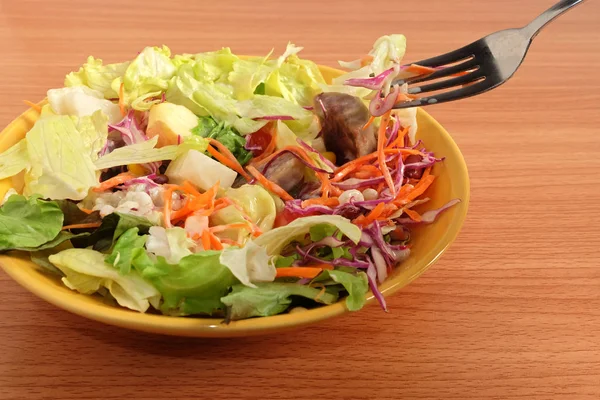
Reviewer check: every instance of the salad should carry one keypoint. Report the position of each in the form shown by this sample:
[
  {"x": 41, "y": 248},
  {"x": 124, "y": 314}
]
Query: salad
[{"x": 215, "y": 185}]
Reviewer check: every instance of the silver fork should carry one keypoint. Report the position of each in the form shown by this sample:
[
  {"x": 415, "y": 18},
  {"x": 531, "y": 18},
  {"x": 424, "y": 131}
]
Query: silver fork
[{"x": 481, "y": 65}]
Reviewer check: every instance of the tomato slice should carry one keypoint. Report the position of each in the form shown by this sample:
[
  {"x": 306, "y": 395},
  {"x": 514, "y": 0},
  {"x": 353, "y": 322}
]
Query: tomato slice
[{"x": 260, "y": 139}]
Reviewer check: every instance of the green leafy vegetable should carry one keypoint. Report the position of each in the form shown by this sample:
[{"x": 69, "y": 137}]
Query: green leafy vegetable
[
  {"x": 86, "y": 271},
  {"x": 248, "y": 264},
  {"x": 356, "y": 284},
  {"x": 14, "y": 160},
  {"x": 145, "y": 152},
  {"x": 113, "y": 226},
  {"x": 275, "y": 240},
  {"x": 209, "y": 128},
  {"x": 146, "y": 77},
  {"x": 81, "y": 101},
  {"x": 194, "y": 286},
  {"x": 61, "y": 162},
  {"x": 126, "y": 249},
  {"x": 28, "y": 223},
  {"x": 270, "y": 299},
  {"x": 97, "y": 76},
  {"x": 172, "y": 243}
]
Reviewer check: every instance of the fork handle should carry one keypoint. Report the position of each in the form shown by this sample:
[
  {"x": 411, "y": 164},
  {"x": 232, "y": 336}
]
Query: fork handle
[{"x": 537, "y": 24}]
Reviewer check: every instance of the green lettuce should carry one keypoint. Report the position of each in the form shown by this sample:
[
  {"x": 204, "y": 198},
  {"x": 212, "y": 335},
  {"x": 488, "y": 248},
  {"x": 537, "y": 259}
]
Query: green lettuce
[
  {"x": 247, "y": 75},
  {"x": 193, "y": 286},
  {"x": 171, "y": 243},
  {"x": 28, "y": 222},
  {"x": 61, "y": 162},
  {"x": 256, "y": 202},
  {"x": 14, "y": 160},
  {"x": 248, "y": 264},
  {"x": 227, "y": 136},
  {"x": 275, "y": 240},
  {"x": 145, "y": 152},
  {"x": 261, "y": 106},
  {"x": 113, "y": 226},
  {"x": 126, "y": 249},
  {"x": 97, "y": 76},
  {"x": 81, "y": 101},
  {"x": 146, "y": 77},
  {"x": 356, "y": 284},
  {"x": 270, "y": 299},
  {"x": 86, "y": 272}
]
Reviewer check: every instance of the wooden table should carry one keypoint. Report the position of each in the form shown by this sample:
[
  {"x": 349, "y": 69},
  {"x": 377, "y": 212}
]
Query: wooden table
[{"x": 511, "y": 311}]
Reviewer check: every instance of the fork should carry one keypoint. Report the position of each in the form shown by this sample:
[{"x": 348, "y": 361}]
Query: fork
[{"x": 481, "y": 65}]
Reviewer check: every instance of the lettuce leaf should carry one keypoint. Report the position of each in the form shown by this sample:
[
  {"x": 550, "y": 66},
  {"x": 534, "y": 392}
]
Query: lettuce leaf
[
  {"x": 356, "y": 284},
  {"x": 146, "y": 77},
  {"x": 172, "y": 243},
  {"x": 81, "y": 101},
  {"x": 14, "y": 160},
  {"x": 262, "y": 106},
  {"x": 247, "y": 75},
  {"x": 61, "y": 162},
  {"x": 193, "y": 286},
  {"x": 113, "y": 226},
  {"x": 270, "y": 299},
  {"x": 145, "y": 152},
  {"x": 210, "y": 129},
  {"x": 28, "y": 223},
  {"x": 257, "y": 203},
  {"x": 275, "y": 240},
  {"x": 86, "y": 272},
  {"x": 97, "y": 76},
  {"x": 126, "y": 249},
  {"x": 248, "y": 264}
]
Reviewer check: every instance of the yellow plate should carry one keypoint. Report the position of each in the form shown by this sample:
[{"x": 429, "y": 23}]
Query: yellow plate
[{"x": 429, "y": 242}]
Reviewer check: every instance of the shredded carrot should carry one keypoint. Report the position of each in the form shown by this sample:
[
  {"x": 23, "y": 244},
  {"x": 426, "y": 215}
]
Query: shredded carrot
[
  {"x": 229, "y": 242},
  {"x": 412, "y": 214},
  {"x": 369, "y": 122},
  {"x": 271, "y": 186},
  {"x": 400, "y": 139},
  {"x": 270, "y": 148},
  {"x": 381, "y": 154},
  {"x": 419, "y": 69},
  {"x": 168, "y": 200},
  {"x": 330, "y": 202},
  {"x": 122, "y": 99},
  {"x": 351, "y": 166},
  {"x": 420, "y": 188},
  {"x": 82, "y": 226},
  {"x": 426, "y": 173},
  {"x": 373, "y": 215},
  {"x": 206, "y": 240},
  {"x": 366, "y": 60},
  {"x": 233, "y": 164},
  {"x": 388, "y": 210},
  {"x": 114, "y": 181},
  {"x": 380, "y": 187},
  {"x": 298, "y": 272},
  {"x": 221, "y": 228},
  {"x": 33, "y": 105},
  {"x": 214, "y": 241},
  {"x": 85, "y": 210}
]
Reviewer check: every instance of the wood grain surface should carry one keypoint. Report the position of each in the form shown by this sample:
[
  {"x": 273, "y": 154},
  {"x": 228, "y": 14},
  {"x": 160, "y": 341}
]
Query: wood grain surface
[{"x": 511, "y": 311}]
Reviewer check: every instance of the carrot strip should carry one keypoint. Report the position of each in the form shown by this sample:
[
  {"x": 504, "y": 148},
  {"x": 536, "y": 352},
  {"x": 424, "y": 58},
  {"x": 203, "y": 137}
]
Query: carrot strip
[
  {"x": 114, "y": 181},
  {"x": 373, "y": 215},
  {"x": 122, "y": 99},
  {"x": 369, "y": 122},
  {"x": 227, "y": 161},
  {"x": 350, "y": 166},
  {"x": 82, "y": 226},
  {"x": 380, "y": 152},
  {"x": 221, "y": 228},
  {"x": 271, "y": 186},
  {"x": 85, "y": 210},
  {"x": 214, "y": 241},
  {"x": 412, "y": 214},
  {"x": 33, "y": 105},
  {"x": 168, "y": 200},
  {"x": 419, "y": 69},
  {"x": 420, "y": 188},
  {"x": 366, "y": 60},
  {"x": 400, "y": 139},
  {"x": 330, "y": 202},
  {"x": 229, "y": 242},
  {"x": 206, "y": 240},
  {"x": 298, "y": 272}
]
